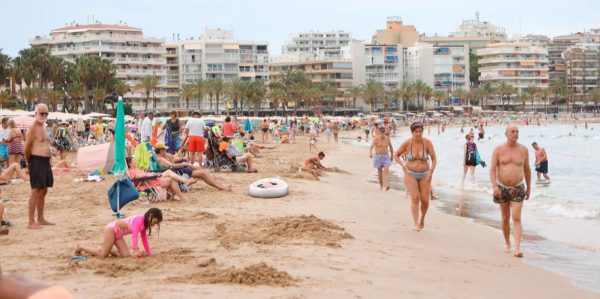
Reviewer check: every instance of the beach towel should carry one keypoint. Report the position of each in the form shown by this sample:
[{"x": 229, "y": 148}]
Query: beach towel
[
  {"x": 127, "y": 194},
  {"x": 142, "y": 157}
]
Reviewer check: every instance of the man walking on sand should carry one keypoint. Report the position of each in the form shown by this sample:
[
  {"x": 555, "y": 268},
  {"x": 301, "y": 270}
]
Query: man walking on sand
[
  {"x": 37, "y": 155},
  {"x": 510, "y": 164},
  {"x": 383, "y": 159},
  {"x": 541, "y": 162}
]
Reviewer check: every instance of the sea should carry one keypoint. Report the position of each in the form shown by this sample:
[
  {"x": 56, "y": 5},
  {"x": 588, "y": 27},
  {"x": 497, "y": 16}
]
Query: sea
[{"x": 561, "y": 220}]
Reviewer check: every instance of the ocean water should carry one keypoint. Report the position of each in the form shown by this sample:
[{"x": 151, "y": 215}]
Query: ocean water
[{"x": 561, "y": 220}]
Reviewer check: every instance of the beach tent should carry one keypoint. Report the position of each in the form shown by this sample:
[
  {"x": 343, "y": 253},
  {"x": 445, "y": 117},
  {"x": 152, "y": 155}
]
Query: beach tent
[
  {"x": 23, "y": 121},
  {"x": 96, "y": 157}
]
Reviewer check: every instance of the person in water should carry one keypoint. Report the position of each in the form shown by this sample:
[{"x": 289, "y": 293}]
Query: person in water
[
  {"x": 470, "y": 160},
  {"x": 413, "y": 156},
  {"x": 541, "y": 161},
  {"x": 510, "y": 165},
  {"x": 113, "y": 234}
]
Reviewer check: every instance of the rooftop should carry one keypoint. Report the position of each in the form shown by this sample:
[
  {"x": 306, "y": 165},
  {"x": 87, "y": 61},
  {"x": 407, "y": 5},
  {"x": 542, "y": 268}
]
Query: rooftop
[{"x": 77, "y": 27}]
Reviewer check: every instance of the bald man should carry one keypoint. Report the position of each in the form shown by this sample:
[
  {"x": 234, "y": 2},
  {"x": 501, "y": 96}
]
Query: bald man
[
  {"x": 37, "y": 155},
  {"x": 510, "y": 165}
]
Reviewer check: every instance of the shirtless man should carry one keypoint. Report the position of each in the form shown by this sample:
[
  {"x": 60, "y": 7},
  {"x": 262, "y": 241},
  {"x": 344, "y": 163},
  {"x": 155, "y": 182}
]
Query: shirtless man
[
  {"x": 313, "y": 165},
  {"x": 383, "y": 159},
  {"x": 37, "y": 155},
  {"x": 541, "y": 161},
  {"x": 168, "y": 161},
  {"x": 510, "y": 164}
]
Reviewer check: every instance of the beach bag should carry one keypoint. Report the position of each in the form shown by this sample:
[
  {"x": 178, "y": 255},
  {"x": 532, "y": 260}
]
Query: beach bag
[
  {"x": 127, "y": 191},
  {"x": 478, "y": 160}
]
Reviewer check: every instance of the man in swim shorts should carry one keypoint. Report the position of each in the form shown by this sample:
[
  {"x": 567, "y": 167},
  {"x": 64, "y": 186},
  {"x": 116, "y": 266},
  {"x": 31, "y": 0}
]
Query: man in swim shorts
[
  {"x": 541, "y": 161},
  {"x": 382, "y": 159},
  {"x": 510, "y": 165}
]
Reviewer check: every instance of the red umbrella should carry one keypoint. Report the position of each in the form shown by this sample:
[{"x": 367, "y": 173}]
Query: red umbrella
[{"x": 23, "y": 121}]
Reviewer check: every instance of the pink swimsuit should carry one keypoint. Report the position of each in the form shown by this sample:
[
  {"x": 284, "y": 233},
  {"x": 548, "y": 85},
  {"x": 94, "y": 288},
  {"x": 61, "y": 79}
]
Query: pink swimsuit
[{"x": 135, "y": 227}]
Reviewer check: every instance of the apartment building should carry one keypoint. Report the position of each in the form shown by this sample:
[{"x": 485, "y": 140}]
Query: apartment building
[
  {"x": 133, "y": 54},
  {"x": 254, "y": 60},
  {"x": 382, "y": 63},
  {"x": 582, "y": 68},
  {"x": 441, "y": 67},
  {"x": 396, "y": 33},
  {"x": 559, "y": 44},
  {"x": 477, "y": 28},
  {"x": 337, "y": 71},
  {"x": 172, "y": 87},
  {"x": 519, "y": 64},
  {"x": 316, "y": 41}
]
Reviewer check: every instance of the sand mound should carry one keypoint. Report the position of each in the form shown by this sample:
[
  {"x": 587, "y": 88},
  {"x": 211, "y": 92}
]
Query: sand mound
[
  {"x": 257, "y": 274},
  {"x": 282, "y": 230},
  {"x": 200, "y": 215}
]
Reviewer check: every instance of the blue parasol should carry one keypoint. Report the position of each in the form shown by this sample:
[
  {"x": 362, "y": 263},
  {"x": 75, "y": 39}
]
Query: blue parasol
[{"x": 247, "y": 125}]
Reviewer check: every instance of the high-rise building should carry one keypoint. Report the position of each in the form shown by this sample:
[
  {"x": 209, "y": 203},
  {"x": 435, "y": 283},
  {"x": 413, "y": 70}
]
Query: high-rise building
[
  {"x": 396, "y": 33},
  {"x": 519, "y": 64},
  {"x": 534, "y": 39},
  {"x": 318, "y": 43},
  {"x": 559, "y": 44},
  {"x": 375, "y": 62},
  {"x": 134, "y": 55},
  {"x": 441, "y": 67},
  {"x": 477, "y": 28},
  {"x": 172, "y": 87},
  {"x": 582, "y": 67}
]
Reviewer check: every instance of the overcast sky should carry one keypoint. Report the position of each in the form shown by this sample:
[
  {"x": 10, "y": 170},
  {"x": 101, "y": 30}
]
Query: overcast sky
[{"x": 277, "y": 20}]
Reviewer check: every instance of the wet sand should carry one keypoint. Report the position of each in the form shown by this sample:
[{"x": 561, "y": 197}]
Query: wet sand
[{"x": 338, "y": 237}]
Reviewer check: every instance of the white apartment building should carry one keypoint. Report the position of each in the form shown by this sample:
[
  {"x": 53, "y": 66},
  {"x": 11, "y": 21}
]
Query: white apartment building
[
  {"x": 477, "y": 28},
  {"x": 519, "y": 64},
  {"x": 313, "y": 42},
  {"x": 134, "y": 55},
  {"x": 441, "y": 67},
  {"x": 382, "y": 63}
]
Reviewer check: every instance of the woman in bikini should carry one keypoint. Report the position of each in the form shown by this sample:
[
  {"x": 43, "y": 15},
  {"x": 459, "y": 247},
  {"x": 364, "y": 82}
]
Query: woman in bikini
[{"x": 413, "y": 156}]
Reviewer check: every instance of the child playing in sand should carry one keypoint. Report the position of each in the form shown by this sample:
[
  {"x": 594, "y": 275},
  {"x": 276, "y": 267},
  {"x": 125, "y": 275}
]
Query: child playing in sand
[{"x": 113, "y": 234}]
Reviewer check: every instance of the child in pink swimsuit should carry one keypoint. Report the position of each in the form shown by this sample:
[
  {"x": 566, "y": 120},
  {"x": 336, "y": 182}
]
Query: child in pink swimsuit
[{"x": 113, "y": 233}]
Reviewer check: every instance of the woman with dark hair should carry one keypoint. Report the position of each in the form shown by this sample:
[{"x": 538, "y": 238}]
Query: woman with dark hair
[
  {"x": 113, "y": 234},
  {"x": 413, "y": 156},
  {"x": 175, "y": 126},
  {"x": 470, "y": 160}
]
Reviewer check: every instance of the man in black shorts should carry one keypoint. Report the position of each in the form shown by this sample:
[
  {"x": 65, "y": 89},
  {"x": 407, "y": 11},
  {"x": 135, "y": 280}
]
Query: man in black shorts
[{"x": 37, "y": 155}]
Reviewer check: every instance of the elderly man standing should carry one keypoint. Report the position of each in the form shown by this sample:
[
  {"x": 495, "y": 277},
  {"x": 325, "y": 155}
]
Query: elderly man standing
[
  {"x": 37, "y": 155},
  {"x": 146, "y": 130},
  {"x": 510, "y": 165}
]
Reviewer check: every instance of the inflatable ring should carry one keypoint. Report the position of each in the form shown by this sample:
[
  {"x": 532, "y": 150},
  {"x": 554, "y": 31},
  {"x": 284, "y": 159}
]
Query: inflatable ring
[{"x": 268, "y": 188}]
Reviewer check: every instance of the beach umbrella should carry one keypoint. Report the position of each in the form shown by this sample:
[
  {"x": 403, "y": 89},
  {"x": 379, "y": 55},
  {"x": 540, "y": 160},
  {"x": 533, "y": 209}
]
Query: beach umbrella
[
  {"x": 119, "y": 167},
  {"x": 23, "y": 121},
  {"x": 247, "y": 125},
  {"x": 99, "y": 157}
]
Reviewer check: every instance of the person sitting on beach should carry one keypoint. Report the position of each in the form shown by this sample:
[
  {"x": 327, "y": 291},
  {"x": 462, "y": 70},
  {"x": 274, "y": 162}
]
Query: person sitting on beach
[
  {"x": 313, "y": 165},
  {"x": 168, "y": 179},
  {"x": 232, "y": 152},
  {"x": 113, "y": 233},
  {"x": 416, "y": 153},
  {"x": 166, "y": 161},
  {"x": 18, "y": 287},
  {"x": 510, "y": 165},
  {"x": 12, "y": 172},
  {"x": 383, "y": 158}
]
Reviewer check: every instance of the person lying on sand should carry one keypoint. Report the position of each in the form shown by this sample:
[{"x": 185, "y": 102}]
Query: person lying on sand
[
  {"x": 167, "y": 179},
  {"x": 113, "y": 233},
  {"x": 166, "y": 161},
  {"x": 10, "y": 172},
  {"x": 18, "y": 287}
]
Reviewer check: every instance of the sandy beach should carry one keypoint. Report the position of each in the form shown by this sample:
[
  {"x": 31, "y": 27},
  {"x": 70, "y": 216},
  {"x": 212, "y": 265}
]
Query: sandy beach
[{"x": 339, "y": 237}]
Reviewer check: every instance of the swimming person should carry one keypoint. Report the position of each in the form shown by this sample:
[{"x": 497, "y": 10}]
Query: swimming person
[
  {"x": 470, "y": 160},
  {"x": 416, "y": 153},
  {"x": 383, "y": 158},
  {"x": 541, "y": 161},
  {"x": 113, "y": 233},
  {"x": 510, "y": 165}
]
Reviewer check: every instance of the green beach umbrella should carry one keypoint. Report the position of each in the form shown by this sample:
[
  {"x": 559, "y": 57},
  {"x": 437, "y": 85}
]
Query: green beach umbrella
[{"x": 119, "y": 167}]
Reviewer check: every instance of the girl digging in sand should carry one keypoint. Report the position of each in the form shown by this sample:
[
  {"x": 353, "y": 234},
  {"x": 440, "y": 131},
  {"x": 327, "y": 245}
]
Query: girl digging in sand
[{"x": 113, "y": 234}]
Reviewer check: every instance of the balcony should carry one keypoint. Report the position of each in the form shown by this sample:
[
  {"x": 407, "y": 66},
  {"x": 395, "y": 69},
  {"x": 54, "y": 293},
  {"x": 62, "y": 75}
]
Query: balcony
[
  {"x": 116, "y": 49},
  {"x": 141, "y": 72},
  {"x": 138, "y": 60},
  {"x": 117, "y": 38}
]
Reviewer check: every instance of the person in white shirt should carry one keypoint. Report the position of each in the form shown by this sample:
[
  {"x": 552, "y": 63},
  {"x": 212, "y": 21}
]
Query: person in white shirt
[
  {"x": 3, "y": 143},
  {"x": 146, "y": 130},
  {"x": 194, "y": 129}
]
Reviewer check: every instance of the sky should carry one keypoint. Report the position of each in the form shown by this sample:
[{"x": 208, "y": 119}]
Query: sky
[{"x": 278, "y": 20}]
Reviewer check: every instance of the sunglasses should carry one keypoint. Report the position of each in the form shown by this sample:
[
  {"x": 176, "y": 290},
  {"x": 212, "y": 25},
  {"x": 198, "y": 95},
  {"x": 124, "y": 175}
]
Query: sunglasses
[{"x": 43, "y": 113}]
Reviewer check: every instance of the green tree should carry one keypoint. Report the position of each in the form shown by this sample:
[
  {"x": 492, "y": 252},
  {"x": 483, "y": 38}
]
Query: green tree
[
  {"x": 5, "y": 98},
  {"x": 201, "y": 87},
  {"x": 98, "y": 94},
  {"x": 355, "y": 92},
  {"x": 594, "y": 96},
  {"x": 30, "y": 94},
  {"x": 373, "y": 91},
  {"x": 505, "y": 91},
  {"x": 408, "y": 92},
  {"x": 238, "y": 89},
  {"x": 149, "y": 84},
  {"x": 460, "y": 93},
  {"x": 75, "y": 91},
  {"x": 557, "y": 86},
  {"x": 277, "y": 95},
  {"x": 487, "y": 90},
  {"x": 256, "y": 94},
  {"x": 396, "y": 94},
  {"x": 533, "y": 91},
  {"x": 187, "y": 92},
  {"x": 474, "y": 68},
  {"x": 439, "y": 96},
  {"x": 5, "y": 66},
  {"x": 120, "y": 87},
  {"x": 544, "y": 94},
  {"x": 54, "y": 97},
  {"x": 523, "y": 98},
  {"x": 217, "y": 87}
]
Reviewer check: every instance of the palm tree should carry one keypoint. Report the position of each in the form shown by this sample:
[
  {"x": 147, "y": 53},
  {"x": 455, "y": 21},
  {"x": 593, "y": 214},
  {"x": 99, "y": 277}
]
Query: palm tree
[
  {"x": 373, "y": 91},
  {"x": 277, "y": 95},
  {"x": 533, "y": 91},
  {"x": 486, "y": 91},
  {"x": 187, "y": 92},
  {"x": 569, "y": 96},
  {"x": 475, "y": 96},
  {"x": 98, "y": 95},
  {"x": 237, "y": 90},
  {"x": 217, "y": 86},
  {"x": 557, "y": 86},
  {"x": 120, "y": 87},
  {"x": 407, "y": 93},
  {"x": 419, "y": 89},
  {"x": 427, "y": 94},
  {"x": 148, "y": 84},
  {"x": 524, "y": 97},
  {"x": 75, "y": 91},
  {"x": 396, "y": 94},
  {"x": 594, "y": 96},
  {"x": 17, "y": 74},
  {"x": 439, "y": 95},
  {"x": 256, "y": 93},
  {"x": 461, "y": 94},
  {"x": 505, "y": 90},
  {"x": 30, "y": 94},
  {"x": 54, "y": 97},
  {"x": 296, "y": 84},
  {"x": 355, "y": 92},
  {"x": 5, "y": 65},
  {"x": 5, "y": 98},
  {"x": 201, "y": 87}
]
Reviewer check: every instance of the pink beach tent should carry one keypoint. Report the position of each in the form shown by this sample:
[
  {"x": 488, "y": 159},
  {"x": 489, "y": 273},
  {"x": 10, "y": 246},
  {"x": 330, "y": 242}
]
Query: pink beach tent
[
  {"x": 23, "y": 121},
  {"x": 96, "y": 157}
]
